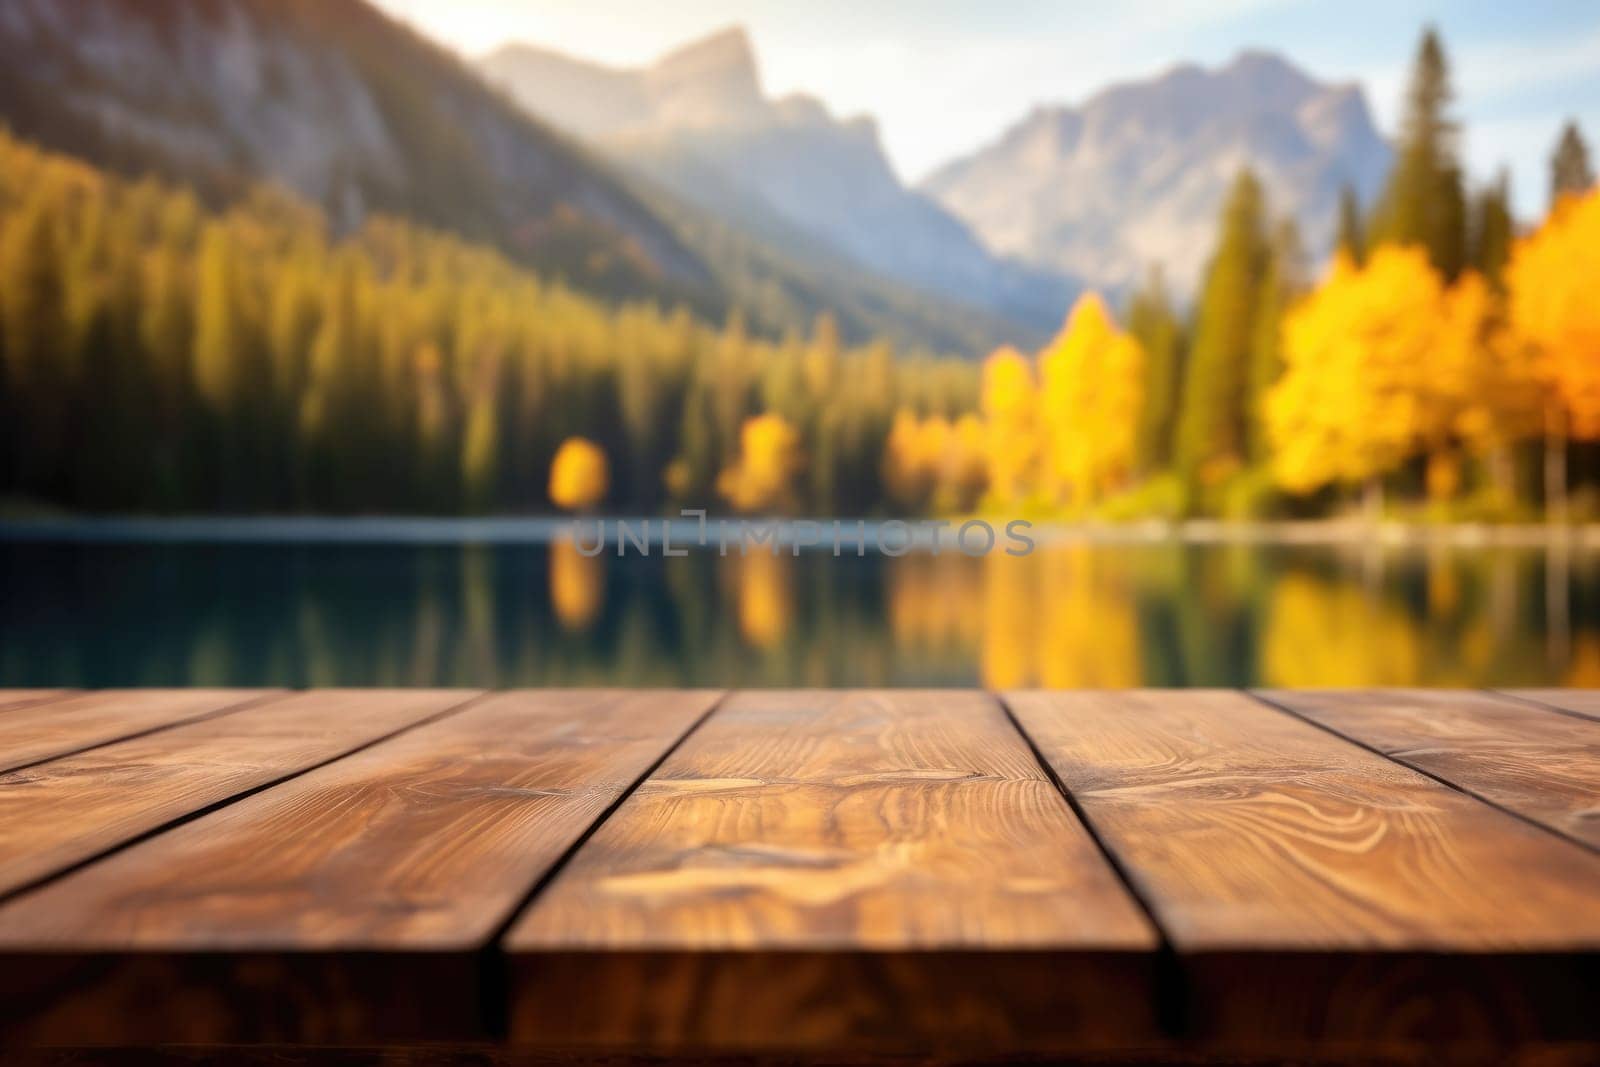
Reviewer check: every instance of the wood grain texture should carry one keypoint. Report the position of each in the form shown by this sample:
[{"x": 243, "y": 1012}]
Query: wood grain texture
[
  {"x": 15, "y": 698},
  {"x": 1315, "y": 889},
  {"x": 41, "y": 731},
  {"x": 822, "y": 869},
  {"x": 1577, "y": 701},
  {"x": 63, "y": 811},
  {"x": 1538, "y": 763},
  {"x": 348, "y": 904}
]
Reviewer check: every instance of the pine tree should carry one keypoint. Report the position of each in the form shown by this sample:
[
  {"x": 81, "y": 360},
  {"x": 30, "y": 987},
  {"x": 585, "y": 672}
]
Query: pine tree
[
  {"x": 33, "y": 297},
  {"x": 252, "y": 360},
  {"x": 1351, "y": 240},
  {"x": 479, "y": 454},
  {"x": 1154, "y": 324},
  {"x": 293, "y": 325},
  {"x": 33, "y": 332},
  {"x": 821, "y": 364},
  {"x": 1425, "y": 202},
  {"x": 1570, "y": 171},
  {"x": 1492, "y": 230},
  {"x": 166, "y": 333},
  {"x": 111, "y": 399},
  {"x": 693, "y": 472},
  {"x": 644, "y": 395},
  {"x": 1211, "y": 433},
  {"x": 327, "y": 432},
  {"x": 219, "y": 330},
  {"x": 1281, "y": 283},
  {"x": 730, "y": 385}
]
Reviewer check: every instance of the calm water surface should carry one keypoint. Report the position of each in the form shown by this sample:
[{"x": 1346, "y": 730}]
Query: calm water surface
[{"x": 281, "y": 607}]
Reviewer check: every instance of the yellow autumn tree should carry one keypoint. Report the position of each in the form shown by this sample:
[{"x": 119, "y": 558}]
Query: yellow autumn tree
[
  {"x": 1092, "y": 378},
  {"x": 1482, "y": 396},
  {"x": 934, "y": 464},
  {"x": 963, "y": 473},
  {"x": 1555, "y": 315},
  {"x": 913, "y": 453},
  {"x": 1010, "y": 414},
  {"x": 769, "y": 459},
  {"x": 579, "y": 474},
  {"x": 1352, "y": 401}
]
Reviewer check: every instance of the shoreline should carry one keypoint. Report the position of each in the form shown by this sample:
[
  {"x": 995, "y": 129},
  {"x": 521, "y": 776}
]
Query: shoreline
[{"x": 540, "y": 530}]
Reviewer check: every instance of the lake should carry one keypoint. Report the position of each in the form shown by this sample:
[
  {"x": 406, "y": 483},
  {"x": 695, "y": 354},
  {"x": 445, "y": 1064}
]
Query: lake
[{"x": 510, "y": 603}]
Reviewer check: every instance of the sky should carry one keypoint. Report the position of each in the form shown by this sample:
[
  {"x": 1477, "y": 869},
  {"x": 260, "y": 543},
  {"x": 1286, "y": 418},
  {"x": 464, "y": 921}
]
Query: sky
[{"x": 943, "y": 77}]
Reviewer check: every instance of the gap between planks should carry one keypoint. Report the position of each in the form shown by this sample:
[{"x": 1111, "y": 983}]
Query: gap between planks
[
  {"x": 1529, "y": 760},
  {"x": 493, "y": 964},
  {"x": 443, "y": 829},
  {"x": 74, "y": 853},
  {"x": 38, "y": 732},
  {"x": 1171, "y": 999},
  {"x": 822, "y": 869},
  {"x": 1575, "y": 703},
  {"x": 492, "y": 956},
  {"x": 1314, "y": 887}
]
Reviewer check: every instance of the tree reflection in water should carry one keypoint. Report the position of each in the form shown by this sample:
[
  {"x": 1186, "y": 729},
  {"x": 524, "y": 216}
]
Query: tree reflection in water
[{"x": 1069, "y": 615}]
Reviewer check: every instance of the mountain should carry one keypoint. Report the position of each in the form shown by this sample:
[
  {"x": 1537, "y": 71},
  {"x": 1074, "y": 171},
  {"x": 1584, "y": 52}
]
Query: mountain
[
  {"x": 1137, "y": 174},
  {"x": 784, "y": 170},
  {"x": 339, "y": 103}
]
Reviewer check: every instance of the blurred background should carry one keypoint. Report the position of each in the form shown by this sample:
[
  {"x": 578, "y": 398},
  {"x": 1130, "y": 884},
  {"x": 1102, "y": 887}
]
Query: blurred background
[{"x": 1276, "y": 318}]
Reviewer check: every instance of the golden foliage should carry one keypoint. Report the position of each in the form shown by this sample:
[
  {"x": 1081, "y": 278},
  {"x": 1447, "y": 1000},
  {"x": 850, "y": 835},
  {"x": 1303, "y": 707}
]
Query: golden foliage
[
  {"x": 579, "y": 474},
  {"x": 1353, "y": 401},
  {"x": 934, "y": 464},
  {"x": 1010, "y": 402},
  {"x": 911, "y": 457},
  {"x": 964, "y": 474},
  {"x": 1553, "y": 277},
  {"x": 1068, "y": 434},
  {"x": 769, "y": 460},
  {"x": 1384, "y": 362},
  {"x": 1093, "y": 391},
  {"x": 1486, "y": 394}
]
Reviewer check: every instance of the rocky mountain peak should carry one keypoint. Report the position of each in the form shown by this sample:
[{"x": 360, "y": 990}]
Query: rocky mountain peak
[
  {"x": 786, "y": 170},
  {"x": 712, "y": 81},
  {"x": 725, "y": 60},
  {"x": 1134, "y": 176}
]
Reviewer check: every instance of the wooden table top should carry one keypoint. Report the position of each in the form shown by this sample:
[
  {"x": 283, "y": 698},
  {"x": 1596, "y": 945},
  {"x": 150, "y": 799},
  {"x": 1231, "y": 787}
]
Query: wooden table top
[{"x": 823, "y": 874}]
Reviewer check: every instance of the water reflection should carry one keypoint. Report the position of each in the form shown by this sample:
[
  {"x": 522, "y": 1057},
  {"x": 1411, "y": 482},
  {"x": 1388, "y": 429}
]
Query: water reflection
[
  {"x": 1076, "y": 614},
  {"x": 577, "y": 586}
]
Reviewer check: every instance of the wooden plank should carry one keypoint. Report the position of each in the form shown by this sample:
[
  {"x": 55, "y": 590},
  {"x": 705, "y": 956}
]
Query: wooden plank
[
  {"x": 64, "y": 811},
  {"x": 15, "y": 698},
  {"x": 1315, "y": 890},
  {"x": 1577, "y": 701},
  {"x": 348, "y": 905},
  {"x": 36, "y": 732},
  {"x": 837, "y": 871},
  {"x": 1529, "y": 760}
]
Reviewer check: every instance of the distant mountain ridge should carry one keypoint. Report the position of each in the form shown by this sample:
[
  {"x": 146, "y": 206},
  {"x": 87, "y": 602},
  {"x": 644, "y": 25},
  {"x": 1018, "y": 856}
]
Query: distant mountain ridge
[
  {"x": 1135, "y": 176},
  {"x": 682, "y": 182},
  {"x": 785, "y": 170},
  {"x": 337, "y": 102},
  {"x": 354, "y": 111}
]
